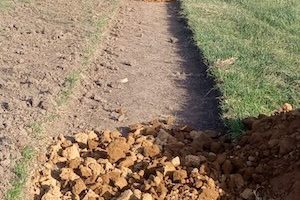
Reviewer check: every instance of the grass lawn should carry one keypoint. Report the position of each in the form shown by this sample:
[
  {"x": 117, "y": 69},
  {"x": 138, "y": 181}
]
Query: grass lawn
[{"x": 253, "y": 50}]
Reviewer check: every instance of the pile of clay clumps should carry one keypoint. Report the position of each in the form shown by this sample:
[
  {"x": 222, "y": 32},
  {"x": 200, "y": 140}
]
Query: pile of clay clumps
[{"x": 161, "y": 161}]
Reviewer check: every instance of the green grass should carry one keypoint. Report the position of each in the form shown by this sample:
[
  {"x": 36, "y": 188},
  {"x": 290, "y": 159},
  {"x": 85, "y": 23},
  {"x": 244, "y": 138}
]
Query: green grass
[
  {"x": 4, "y": 4},
  {"x": 264, "y": 39},
  {"x": 36, "y": 128},
  {"x": 21, "y": 174},
  {"x": 69, "y": 84}
]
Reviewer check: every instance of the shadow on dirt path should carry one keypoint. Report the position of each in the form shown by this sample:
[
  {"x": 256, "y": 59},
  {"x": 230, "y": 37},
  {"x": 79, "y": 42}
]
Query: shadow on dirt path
[{"x": 201, "y": 106}]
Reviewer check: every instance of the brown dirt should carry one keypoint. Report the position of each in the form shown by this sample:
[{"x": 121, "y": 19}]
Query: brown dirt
[
  {"x": 146, "y": 67},
  {"x": 161, "y": 161},
  {"x": 41, "y": 43}
]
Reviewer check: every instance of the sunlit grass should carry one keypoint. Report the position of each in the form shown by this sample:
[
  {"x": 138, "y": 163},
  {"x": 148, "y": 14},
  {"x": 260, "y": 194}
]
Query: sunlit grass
[{"x": 264, "y": 39}]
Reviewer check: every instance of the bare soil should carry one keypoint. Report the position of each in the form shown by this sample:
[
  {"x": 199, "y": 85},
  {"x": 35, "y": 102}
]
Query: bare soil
[
  {"x": 145, "y": 67},
  {"x": 41, "y": 43}
]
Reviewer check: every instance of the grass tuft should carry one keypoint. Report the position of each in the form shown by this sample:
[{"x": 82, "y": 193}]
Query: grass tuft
[
  {"x": 21, "y": 174},
  {"x": 70, "y": 82},
  {"x": 4, "y": 4},
  {"x": 36, "y": 128}
]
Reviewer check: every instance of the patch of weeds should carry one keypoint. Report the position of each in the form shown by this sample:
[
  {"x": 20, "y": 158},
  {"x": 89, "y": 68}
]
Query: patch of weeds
[
  {"x": 236, "y": 127},
  {"x": 4, "y": 4},
  {"x": 70, "y": 82},
  {"x": 36, "y": 128},
  {"x": 8, "y": 4},
  {"x": 21, "y": 175},
  {"x": 52, "y": 117}
]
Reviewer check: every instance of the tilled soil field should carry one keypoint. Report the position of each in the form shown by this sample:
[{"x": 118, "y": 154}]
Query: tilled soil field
[
  {"x": 158, "y": 160},
  {"x": 41, "y": 44}
]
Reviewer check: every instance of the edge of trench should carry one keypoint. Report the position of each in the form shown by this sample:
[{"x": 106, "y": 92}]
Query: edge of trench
[{"x": 213, "y": 110}]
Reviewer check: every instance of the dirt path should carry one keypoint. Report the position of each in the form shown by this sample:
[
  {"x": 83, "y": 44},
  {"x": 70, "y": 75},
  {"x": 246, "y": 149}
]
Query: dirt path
[{"x": 149, "y": 47}]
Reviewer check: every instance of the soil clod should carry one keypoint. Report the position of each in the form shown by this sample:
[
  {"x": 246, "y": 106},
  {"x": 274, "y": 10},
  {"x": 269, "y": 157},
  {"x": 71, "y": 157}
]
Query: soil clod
[{"x": 148, "y": 165}]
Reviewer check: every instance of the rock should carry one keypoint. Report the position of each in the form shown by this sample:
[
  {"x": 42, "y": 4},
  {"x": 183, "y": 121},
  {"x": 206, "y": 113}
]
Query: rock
[
  {"x": 71, "y": 152},
  {"x": 92, "y": 135},
  {"x": 81, "y": 138},
  {"x": 200, "y": 140},
  {"x": 121, "y": 118},
  {"x": 68, "y": 174},
  {"x": 134, "y": 127},
  {"x": 198, "y": 183},
  {"x": 176, "y": 161},
  {"x": 79, "y": 186},
  {"x": 251, "y": 158},
  {"x": 287, "y": 107},
  {"x": 124, "y": 80},
  {"x": 192, "y": 161},
  {"x": 115, "y": 134},
  {"x": 95, "y": 167},
  {"x": 247, "y": 194},
  {"x": 168, "y": 167},
  {"x": 147, "y": 196},
  {"x": 105, "y": 137},
  {"x": 163, "y": 137},
  {"x": 121, "y": 182},
  {"x": 85, "y": 171},
  {"x": 170, "y": 120},
  {"x": 137, "y": 193},
  {"x": 221, "y": 158},
  {"x": 249, "y": 163},
  {"x": 158, "y": 179},
  {"x": 237, "y": 181},
  {"x": 92, "y": 144},
  {"x": 173, "y": 40},
  {"x": 117, "y": 149},
  {"x": 227, "y": 167},
  {"x": 211, "y": 183},
  {"x": 91, "y": 195},
  {"x": 74, "y": 163},
  {"x": 179, "y": 175},
  {"x": 53, "y": 194},
  {"x": 151, "y": 151},
  {"x": 209, "y": 194},
  {"x": 212, "y": 156},
  {"x": 128, "y": 161},
  {"x": 125, "y": 195}
]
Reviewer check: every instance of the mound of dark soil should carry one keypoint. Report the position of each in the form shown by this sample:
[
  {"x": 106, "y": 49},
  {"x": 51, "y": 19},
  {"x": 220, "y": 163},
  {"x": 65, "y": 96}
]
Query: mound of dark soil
[{"x": 160, "y": 161}]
